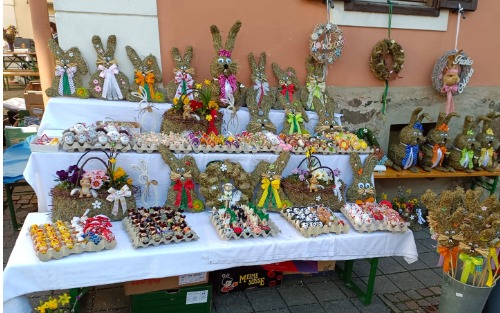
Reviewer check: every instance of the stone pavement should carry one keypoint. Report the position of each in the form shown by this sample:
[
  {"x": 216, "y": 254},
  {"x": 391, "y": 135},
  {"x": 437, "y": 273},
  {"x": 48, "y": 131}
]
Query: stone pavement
[{"x": 399, "y": 287}]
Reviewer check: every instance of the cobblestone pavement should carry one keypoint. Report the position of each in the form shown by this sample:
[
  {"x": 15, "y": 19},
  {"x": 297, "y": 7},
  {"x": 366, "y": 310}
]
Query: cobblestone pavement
[{"x": 399, "y": 287}]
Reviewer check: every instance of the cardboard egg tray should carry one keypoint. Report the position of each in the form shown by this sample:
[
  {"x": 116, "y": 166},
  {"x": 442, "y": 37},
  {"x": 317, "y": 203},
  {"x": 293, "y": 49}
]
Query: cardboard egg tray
[
  {"x": 78, "y": 247},
  {"x": 337, "y": 226},
  {"x": 87, "y": 146},
  {"x": 375, "y": 225},
  {"x": 219, "y": 227}
]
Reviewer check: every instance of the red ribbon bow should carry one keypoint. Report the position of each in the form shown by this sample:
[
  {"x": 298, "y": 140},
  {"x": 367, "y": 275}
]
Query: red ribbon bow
[
  {"x": 187, "y": 186},
  {"x": 288, "y": 88}
]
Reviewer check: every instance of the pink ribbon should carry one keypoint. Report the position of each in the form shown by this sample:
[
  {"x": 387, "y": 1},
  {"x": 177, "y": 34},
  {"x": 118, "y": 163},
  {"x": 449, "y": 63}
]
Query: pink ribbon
[
  {"x": 224, "y": 53},
  {"x": 188, "y": 79},
  {"x": 231, "y": 80},
  {"x": 110, "y": 82},
  {"x": 450, "y": 106}
]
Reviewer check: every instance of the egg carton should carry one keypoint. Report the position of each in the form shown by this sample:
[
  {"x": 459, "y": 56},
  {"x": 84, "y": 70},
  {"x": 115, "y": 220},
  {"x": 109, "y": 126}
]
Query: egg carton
[
  {"x": 87, "y": 146},
  {"x": 376, "y": 225},
  {"x": 303, "y": 150},
  {"x": 274, "y": 230},
  {"x": 243, "y": 148},
  {"x": 350, "y": 150},
  {"x": 136, "y": 242},
  {"x": 337, "y": 228},
  {"x": 153, "y": 147},
  {"x": 78, "y": 247}
]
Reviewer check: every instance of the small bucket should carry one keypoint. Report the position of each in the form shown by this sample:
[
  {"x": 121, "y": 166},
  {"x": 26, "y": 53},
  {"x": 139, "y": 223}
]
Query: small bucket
[{"x": 457, "y": 297}]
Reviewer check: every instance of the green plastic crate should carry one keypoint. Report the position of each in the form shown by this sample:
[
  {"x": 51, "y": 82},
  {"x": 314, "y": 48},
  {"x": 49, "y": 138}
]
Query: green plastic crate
[
  {"x": 192, "y": 299},
  {"x": 14, "y": 135}
]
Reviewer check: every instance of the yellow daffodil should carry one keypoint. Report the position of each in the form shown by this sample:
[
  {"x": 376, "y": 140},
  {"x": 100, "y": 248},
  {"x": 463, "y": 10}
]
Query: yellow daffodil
[
  {"x": 185, "y": 99},
  {"x": 207, "y": 82},
  {"x": 42, "y": 307},
  {"x": 408, "y": 190},
  {"x": 209, "y": 117},
  {"x": 213, "y": 105},
  {"x": 175, "y": 101},
  {"x": 384, "y": 196},
  {"x": 112, "y": 160},
  {"x": 129, "y": 181},
  {"x": 118, "y": 173},
  {"x": 64, "y": 299},
  {"x": 52, "y": 304},
  {"x": 198, "y": 86}
]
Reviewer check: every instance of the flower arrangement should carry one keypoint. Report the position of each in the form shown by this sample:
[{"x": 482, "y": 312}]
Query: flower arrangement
[
  {"x": 55, "y": 305},
  {"x": 9, "y": 33},
  {"x": 407, "y": 205},
  {"x": 467, "y": 230},
  {"x": 198, "y": 100},
  {"x": 69, "y": 177}
]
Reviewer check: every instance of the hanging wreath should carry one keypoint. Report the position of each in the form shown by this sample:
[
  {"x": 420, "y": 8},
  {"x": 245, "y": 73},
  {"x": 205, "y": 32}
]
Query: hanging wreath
[
  {"x": 387, "y": 53},
  {"x": 447, "y": 63},
  {"x": 326, "y": 43},
  {"x": 219, "y": 172}
]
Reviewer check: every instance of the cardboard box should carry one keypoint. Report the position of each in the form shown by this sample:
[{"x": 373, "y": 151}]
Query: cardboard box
[
  {"x": 242, "y": 278},
  {"x": 195, "y": 299},
  {"x": 148, "y": 285},
  {"x": 301, "y": 267},
  {"x": 33, "y": 98}
]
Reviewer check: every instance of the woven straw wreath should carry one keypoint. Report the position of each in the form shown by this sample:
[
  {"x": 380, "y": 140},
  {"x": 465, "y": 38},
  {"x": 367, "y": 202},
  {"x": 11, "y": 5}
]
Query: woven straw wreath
[
  {"x": 326, "y": 51},
  {"x": 387, "y": 47},
  {"x": 439, "y": 69}
]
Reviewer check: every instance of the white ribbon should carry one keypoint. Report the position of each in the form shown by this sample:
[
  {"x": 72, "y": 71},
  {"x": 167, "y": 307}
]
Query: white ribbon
[
  {"x": 439, "y": 157},
  {"x": 261, "y": 87},
  {"x": 179, "y": 78},
  {"x": 421, "y": 219},
  {"x": 146, "y": 107},
  {"x": 147, "y": 183},
  {"x": 70, "y": 71},
  {"x": 110, "y": 84},
  {"x": 118, "y": 196},
  {"x": 229, "y": 100}
]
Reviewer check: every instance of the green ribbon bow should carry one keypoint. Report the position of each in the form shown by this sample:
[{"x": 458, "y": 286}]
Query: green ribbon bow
[
  {"x": 294, "y": 120},
  {"x": 467, "y": 157},
  {"x": 315, "y": 90},
  {"x": 66, "y": 87},
  {"x": 470, "y": 264}
]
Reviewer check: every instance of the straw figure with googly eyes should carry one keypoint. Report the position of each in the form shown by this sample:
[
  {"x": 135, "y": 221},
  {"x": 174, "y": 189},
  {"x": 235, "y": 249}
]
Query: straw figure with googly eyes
[
  {"x": 461, "y": 156},
  {"x": 259, "y": 97},
  {"x": 404, "y": 154},
  {"x": 183, "y": 81},
  {"x": 107, "y": 82},
  {"x": 70, "y": 68},
  {"x": 288, "y": 98},
  {"x": 147, "y": 74},
  {"x": 434, "y": 150},
  {"x": 183, "y": 174},
  {"x": 362, "y": 189},
  {"x": 223, "y": 68},
  {"x": 267, "y": 176},
  {"x": 485, "y": 155}
]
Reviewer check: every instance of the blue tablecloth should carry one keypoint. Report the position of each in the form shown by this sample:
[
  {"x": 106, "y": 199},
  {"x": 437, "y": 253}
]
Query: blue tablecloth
[{"x": 14, "y": 161}]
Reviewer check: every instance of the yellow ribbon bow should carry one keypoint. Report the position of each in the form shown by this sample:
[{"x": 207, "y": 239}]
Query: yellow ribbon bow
[
  {"x": 294, "y": 120},
  {"x": 486, "y": 158},
  {"x": 489, "y": 131},
  {"x": 274, "y": 186},
  {"x": 149, "y": 79},
  {"x": 315, "y": 90},
  {"x": 470, "y": 263},
  {"x": 492, "y": 255}
]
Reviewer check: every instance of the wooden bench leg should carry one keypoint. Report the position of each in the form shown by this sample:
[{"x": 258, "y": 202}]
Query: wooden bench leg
[
  {"x": 346, "y": 275},
  {"x": 9, "y": 189}
]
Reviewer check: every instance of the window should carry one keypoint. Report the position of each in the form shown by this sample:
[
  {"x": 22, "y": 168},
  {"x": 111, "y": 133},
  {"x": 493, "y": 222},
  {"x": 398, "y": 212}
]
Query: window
[{"x": 406, "y": 7}]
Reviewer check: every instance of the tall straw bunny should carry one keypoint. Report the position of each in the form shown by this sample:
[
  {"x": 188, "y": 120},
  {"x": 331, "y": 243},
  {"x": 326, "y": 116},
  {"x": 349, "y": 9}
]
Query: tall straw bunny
[
  {"x": 70, "y": 67},
  {"x": 487, "y": 143},
  {"x": 223, "y": 68},
  {"x": 259, "y": 98},
  {"x": 107, "y": 82}
]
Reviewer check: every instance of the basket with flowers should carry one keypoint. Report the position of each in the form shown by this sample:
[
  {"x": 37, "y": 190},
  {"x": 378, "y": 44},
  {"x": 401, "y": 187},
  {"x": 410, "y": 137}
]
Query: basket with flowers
[
  {"x": 312, "y": 183},
  {"x": 195, "y": 110},
  {"x": 107, "y": 191}
]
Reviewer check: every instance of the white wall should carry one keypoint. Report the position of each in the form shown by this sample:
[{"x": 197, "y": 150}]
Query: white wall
[
  {"x": 135, "y": 23},
  {"x": 9, "y": 15}
]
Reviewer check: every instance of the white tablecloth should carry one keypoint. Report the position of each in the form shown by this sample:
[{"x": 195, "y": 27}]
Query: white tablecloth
[
  {"x": 41, "y": 169},
  {"x": 25, "y": 273},
  {"x": 63, "y": 112}
]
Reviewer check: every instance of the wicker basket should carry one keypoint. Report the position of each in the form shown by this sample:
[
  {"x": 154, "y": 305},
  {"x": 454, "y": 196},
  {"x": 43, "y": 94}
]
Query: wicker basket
[
  {"x": 173, "y": 122},
  {"x": 65, "y": 206}
]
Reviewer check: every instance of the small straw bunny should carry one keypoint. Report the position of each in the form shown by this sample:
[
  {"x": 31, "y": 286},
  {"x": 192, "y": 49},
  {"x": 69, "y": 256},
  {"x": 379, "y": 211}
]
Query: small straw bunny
[{"x": 183, "y": 80}]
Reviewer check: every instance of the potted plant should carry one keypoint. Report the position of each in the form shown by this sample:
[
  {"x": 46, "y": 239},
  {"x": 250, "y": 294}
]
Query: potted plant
[
  {"x": 9, "y": 35},
  {"x": 407, "y": 205},
  {"x": 467, "y": 231}
]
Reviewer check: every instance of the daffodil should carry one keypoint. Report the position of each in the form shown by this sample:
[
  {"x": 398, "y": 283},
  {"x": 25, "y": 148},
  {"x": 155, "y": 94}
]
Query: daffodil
[
  {"x": 198, "y": 86},
  {"x": 129, "y": 181},
  {"x": 64, "y": 299},
  {"x": 208, "y": 118},
  {"x": 112, "y": 160},
  {"x": 52, "y": 304},
  {"x": 208, "y": 82}
]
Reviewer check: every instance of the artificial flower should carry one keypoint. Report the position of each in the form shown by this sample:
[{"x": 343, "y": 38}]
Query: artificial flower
[
  {"x": 175, "y": 101},
  {"x": 213, "y": 105},
  {"x": 159, "y": 97},
  {"x": 97, "y": 88},
  {"x": 96, "y": 184},
  {"x": 207, "y": 82},
  {"x": 118, "y": 173},
  {"x": 195, "y": 105},
  {"x": 198, "y": 86},
  {"x": 223, "y": 167},
  {"x": 95, "y": 81},
  {"x": 208, "y": 117},
  {"x": 112, "y": 160},
  {"x": 96, "y": 204},
  {"x": 52, "y": 304},
  {"x": 129, "y": 181}
]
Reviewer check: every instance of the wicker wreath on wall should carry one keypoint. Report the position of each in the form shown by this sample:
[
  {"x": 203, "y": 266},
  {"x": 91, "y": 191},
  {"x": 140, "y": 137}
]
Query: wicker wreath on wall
[
  {"x": 465, "y": 71},
  {"x": 379, "y": 63},
  {"x": 219, "y": 172},
  {"x": 326, "y": 43}
]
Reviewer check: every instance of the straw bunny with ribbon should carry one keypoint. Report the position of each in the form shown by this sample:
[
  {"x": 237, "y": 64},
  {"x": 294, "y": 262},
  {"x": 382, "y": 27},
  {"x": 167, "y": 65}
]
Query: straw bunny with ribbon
[
  {"x": 147, "y": 183},
  {"x": 145, "y": 108}
]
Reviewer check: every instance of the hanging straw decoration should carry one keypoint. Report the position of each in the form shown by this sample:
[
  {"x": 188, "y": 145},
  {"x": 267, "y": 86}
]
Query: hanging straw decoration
[{"x": 384, "y": 49}]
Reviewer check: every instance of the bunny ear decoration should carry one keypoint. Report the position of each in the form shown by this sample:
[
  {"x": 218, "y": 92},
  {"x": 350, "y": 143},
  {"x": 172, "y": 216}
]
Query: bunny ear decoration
[
  {"x": 231, "y": 38},
  {"x": 111, "y": 45},
  {"x": 278, "y": 72},
  {"x": 133, "y": 57},
  {"x": 369, "y": 166},
  {"x": 263, "y": 59},
  {"x": 216, "y": 38},
  {"x": 414, "y": 115},
  {"x": 176, "y": 55},
  {"x": 188, "y": 55},
  {"x": 98, "y": 46},
  {"x": 252, "y": 61},
  {"x": 469, "y": 119},
  {"x": 356, "y": 165}
]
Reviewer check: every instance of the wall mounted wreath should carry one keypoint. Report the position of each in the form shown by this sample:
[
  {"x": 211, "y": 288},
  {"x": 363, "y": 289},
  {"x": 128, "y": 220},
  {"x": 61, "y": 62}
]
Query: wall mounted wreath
[
  {"x": 379, "y": 62},
  {"x": 326, "y": 43},
  {"x": 463, "y": 65}
]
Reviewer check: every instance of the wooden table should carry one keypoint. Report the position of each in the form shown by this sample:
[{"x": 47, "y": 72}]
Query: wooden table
[
  {"x": 485, "y": 179},
  {"x": 19, "y": 63}
]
